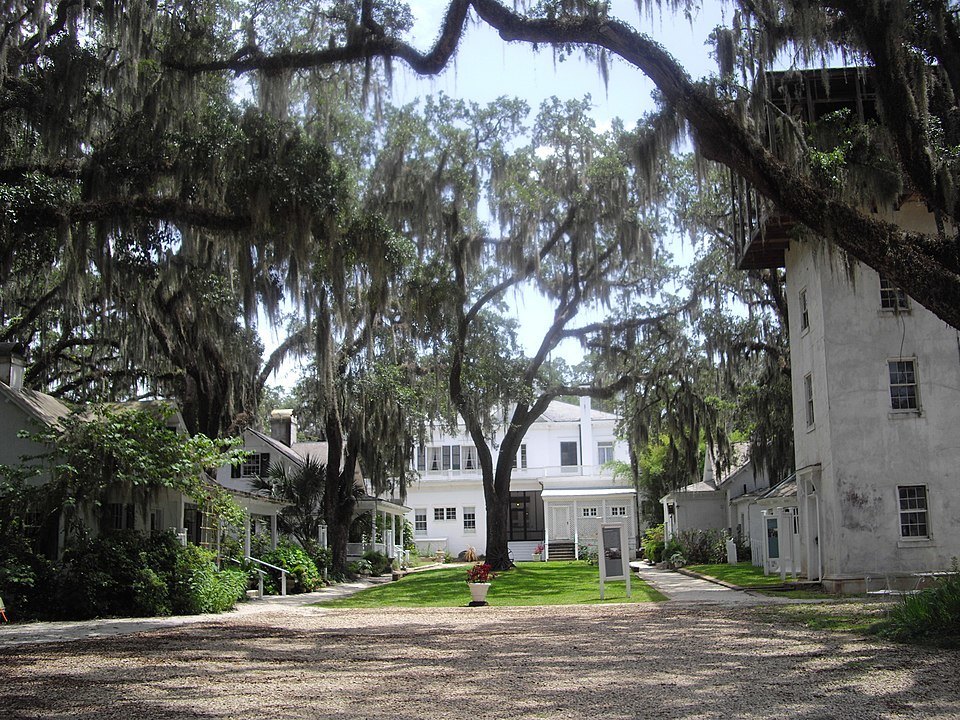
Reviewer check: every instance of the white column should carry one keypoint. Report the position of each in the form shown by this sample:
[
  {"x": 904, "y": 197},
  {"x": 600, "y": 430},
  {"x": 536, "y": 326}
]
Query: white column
[
  {"x": 576, "y": 531},
  {"x": 274, "y": 531},
  {"x": 246, "y": 536},
  {"x": 393, "y": 536},
  {"x": 373, "y": 527}
]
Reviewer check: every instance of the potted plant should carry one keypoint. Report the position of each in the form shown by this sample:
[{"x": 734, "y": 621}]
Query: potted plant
[
  {"x": 538, "y": 553},
  {"x": 478, "y": 580}
]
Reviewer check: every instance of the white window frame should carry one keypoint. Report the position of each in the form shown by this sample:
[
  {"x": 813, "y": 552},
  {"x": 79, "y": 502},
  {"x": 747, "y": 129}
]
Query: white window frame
[
  {"x": 451, "y": 513},
  {"x": 618, "y": 511},
  {"x": 250, "y": 467},
  {"x": 420, "y": 526},
  {"x": 905, "y": 367},
  {"x": 469, "y": 458},
  {"x": 913, "y": 511},
  {"x": 438, "y": 513},
  {"x": 469, "y": 520},
  {"x": 804, "y": 311},
  {"x": 604, "y": 447},
  {"x": 589, "y": 512},
  {"x": 892, "y": 298},
  {"x": 523, "y": 457},
  {"x": 434, "y": 458},
  {"x": 808, "y": 399}
]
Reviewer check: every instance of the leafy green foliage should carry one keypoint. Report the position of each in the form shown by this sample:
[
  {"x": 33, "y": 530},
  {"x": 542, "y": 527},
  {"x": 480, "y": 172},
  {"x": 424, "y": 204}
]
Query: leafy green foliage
[
  {"x": 303, "y": 575},
  {"x": 653, "y": 543},
  {"x": 931, "y": 616},
  {"x": 379, "y": 563},
  {"x": 303, "y": 488}
]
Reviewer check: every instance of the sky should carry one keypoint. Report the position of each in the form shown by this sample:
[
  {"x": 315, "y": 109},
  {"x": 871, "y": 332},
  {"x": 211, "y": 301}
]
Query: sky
[{"x": 486, "y": 68}]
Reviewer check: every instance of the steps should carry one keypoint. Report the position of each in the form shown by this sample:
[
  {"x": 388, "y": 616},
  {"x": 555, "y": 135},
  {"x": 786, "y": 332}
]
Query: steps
[{"x": 561, "y": 551}]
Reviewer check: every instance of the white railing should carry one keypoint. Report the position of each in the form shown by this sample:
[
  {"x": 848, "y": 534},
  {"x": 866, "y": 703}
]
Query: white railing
[
  {"x": 261, "y": 574},
  {"x": 527, "y": 473}
]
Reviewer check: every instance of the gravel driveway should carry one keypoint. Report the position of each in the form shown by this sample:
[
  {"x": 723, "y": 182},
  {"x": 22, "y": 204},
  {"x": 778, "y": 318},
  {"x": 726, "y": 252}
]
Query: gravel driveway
[{"x": 617, "y": 661}]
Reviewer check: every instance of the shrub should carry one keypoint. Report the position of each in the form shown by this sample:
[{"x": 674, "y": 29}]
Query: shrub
[
  {"x": 701, "y": 547},
  {"x": 653, "y": 544},
  {"x": 322, "y": 557},
  {"x": 303, "y": 575},
  {"x": 25, "y": 578},
  {"x": 360, "y": 567},
  {"x": 379, "y": 563},
  {"x": 589, "y": 555},
  {"x": 198, "y": 587},
  {"x": 931, "y": 616}
]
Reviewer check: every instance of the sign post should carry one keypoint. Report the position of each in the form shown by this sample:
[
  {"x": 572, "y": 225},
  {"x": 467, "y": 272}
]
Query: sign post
[{"x": 612, "y": 555}]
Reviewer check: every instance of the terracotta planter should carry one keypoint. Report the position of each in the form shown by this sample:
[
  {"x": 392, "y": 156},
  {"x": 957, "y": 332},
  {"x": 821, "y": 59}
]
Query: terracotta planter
[{"x": 478, "y": 591}]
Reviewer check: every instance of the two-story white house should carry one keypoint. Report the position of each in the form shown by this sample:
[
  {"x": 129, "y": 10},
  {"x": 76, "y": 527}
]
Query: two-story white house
[
  {"x": 561, "y": 489},
  {"x": 876, "y": 399}
]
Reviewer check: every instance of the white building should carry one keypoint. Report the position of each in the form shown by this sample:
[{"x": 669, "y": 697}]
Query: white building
[
  {"x": 281, "y": 447},
  {"x": 876, "y": 399},
  {"x": 560, "y": 491}
]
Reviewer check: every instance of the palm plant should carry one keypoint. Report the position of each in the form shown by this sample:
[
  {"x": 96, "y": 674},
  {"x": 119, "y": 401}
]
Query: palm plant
[{"x": 302, "y": 488}]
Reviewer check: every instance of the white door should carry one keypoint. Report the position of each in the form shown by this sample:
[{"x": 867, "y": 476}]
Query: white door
[{"x": 560, "y": 528}]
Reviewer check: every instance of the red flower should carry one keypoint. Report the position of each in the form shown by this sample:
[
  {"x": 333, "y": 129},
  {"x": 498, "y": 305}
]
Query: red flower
[{"x": 480, "y": 573}]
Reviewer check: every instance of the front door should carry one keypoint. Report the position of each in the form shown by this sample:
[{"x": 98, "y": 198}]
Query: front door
[{"x": 560, "y": 527}]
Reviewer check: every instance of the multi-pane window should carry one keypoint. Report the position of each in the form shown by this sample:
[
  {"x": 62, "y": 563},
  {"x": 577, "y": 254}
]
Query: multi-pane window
[
  {"x": 892, "y": 297},
  {"x": 255, "y": 464},
  {"x": 589, "y": 511},
  {"x": 618, "y": 511},
  {"x": 913, "y": 511},
  {"x": 568, "y": 454},
  {"x": 156, "y": 520},
  {"x": 438, "y": 457},
  {"x": 438, "y": 513},
  {"x": 522, "y": 454},
  {"x": 903, "y": 384},
  {"x": 420, "y": 521},
  {"x": 451, "y": 513},
  {"x": 804, "y": 312},
  {"x": 117, "y": 516},
  {"x": 808, "y": 397},
  {"x": 604, "y": 452},
  {"x": 469, "y": 520}
]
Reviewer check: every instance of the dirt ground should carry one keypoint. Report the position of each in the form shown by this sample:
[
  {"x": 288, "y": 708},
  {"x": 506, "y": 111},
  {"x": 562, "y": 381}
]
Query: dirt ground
[{"x": 617, "y": 661}]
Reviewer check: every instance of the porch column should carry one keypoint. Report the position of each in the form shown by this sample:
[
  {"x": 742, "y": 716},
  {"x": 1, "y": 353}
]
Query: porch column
[
  {"x": 373, "y": 527},
  {"x": 274, "y": 529},
  {"x": 393, "y": 536},
  {"x": 246, "y": 536},
  {"x": 576, "y": 531}
]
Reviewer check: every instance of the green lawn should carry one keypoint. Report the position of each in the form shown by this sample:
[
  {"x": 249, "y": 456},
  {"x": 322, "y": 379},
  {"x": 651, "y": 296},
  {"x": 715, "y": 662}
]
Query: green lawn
[
  {"x": 553, "y": 583},
  {"x": 743, "y": 574}
]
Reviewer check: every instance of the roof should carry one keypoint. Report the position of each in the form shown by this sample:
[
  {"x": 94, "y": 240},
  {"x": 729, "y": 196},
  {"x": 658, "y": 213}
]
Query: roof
[
  {"x": 559, "y": 411},
  {"x": 318, "y": 451},
  {"x": 43, "y": 408},
  {"x": 587, "y": 492},
  {"x": 785, "y": 491},
  {"x": 288, "y": 452}
]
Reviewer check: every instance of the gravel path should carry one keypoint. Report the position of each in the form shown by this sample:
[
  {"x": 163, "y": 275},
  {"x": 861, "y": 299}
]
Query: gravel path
[{"x": 668, "y": 660}]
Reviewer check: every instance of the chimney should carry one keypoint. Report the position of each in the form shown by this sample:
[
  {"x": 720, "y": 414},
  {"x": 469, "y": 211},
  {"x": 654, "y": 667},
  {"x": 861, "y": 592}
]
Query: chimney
[
  {"x": 283, "y": 427},
  {"x": 11, "y": 365}
]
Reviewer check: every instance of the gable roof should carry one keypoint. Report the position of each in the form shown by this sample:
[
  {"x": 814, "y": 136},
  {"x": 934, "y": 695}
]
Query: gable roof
[{"x": 39, "y": 406}]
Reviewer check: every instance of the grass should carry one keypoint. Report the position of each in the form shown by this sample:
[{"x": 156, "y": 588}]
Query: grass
[
  {"x": 529, "y": 583},
  {"x": 742, "y": 574},
  {"x": 861, "y": 618}
]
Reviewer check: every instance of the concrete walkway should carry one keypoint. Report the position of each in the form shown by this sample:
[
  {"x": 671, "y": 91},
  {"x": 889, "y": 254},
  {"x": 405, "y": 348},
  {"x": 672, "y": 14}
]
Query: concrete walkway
[
  {"x": 48, "y": 632},
  {"x": 683, "y": 588}
]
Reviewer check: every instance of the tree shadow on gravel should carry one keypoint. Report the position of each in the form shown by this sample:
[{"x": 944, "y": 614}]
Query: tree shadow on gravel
[{"x": 603, "y": 661}]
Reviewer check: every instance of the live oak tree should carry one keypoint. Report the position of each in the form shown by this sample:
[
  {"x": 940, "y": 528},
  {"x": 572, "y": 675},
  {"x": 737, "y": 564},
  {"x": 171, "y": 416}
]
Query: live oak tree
[
  {"x": 913, "y": 48},
  {"x": 566, "y": 220}
]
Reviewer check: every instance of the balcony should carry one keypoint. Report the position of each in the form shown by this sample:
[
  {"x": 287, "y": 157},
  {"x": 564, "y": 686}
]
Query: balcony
[{"x": 532, "y": 473}]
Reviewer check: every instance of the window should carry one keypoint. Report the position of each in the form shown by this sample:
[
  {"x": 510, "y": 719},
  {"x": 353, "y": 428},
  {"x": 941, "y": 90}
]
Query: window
[
  {"x": 451, "y": 513},
  {"x": 420, "y": 521},
  {"x": 808, "y": 397},
  {"x": 156, "y": 520},
  {"x": 469, "y": 455},
  {"x": 117, "y": 516},
  {"x": 804, "y": 313},
  {"x": 469, "y": 520},
  {"x": 256, "y": 464},
  {"x": 604, "y": 452},
  {"x": 433, "y": 459},
  {"x": 589, "y": 511},
  {"x": 438, "y": 513},
  {"x": 523, "y": 456},
  {"x": 421, "y": 458},
  {"x": 568, "y": 454},
  {"x": 892, "y": 297},
  {"x": 618, "y": 511},
  {"x": 913, "y": 511},
  {"x": 903, "y": 385}
]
